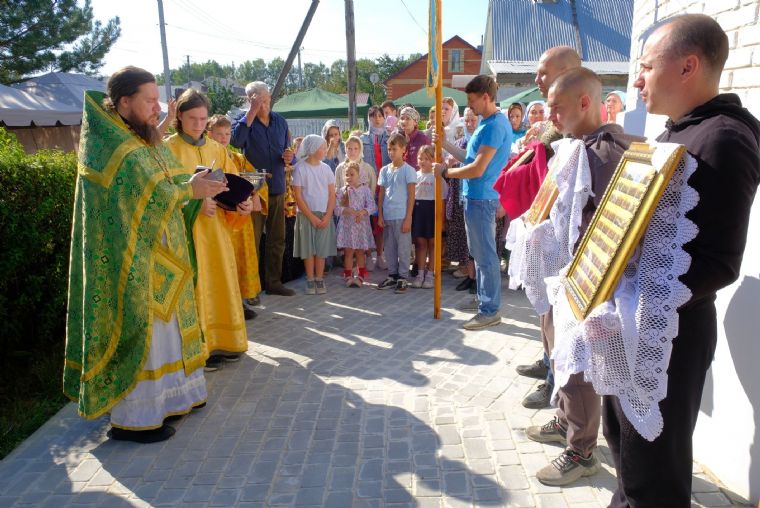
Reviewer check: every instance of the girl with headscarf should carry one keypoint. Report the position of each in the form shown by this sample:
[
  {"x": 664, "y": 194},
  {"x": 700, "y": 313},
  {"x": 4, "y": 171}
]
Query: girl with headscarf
[
  {"x": 336, "y": 151},
  {"x": 614, "y": 103},
  {"x": 408, "y": 121},
  {"x": 314, "y": 188}
]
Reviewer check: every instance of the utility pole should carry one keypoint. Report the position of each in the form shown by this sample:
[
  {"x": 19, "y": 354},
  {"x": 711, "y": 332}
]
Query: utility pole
[
  {"x": 297, "y": 44},
  {"x": 351, "y": 62},
  {"x": 189, "y": 76},
  {"x": 167, "y": 72},
  {"x": 300, "y": 69}
]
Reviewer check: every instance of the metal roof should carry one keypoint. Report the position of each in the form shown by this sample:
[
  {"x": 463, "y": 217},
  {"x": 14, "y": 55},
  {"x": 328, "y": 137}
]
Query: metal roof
[
  {"x": 513, "y": 67},
  {"x": 523, "y": 29}
]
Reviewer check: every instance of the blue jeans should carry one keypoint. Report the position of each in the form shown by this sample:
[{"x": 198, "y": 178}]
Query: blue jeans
[{"x": 480, "y": 225}]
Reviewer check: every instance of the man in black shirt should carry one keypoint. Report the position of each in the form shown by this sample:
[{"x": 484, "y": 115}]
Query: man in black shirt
[{"x": 679, "y": 75}]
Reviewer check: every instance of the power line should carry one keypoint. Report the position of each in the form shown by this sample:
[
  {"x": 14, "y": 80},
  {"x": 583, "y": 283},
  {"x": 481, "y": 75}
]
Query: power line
[{"x": 413, "y": 18}]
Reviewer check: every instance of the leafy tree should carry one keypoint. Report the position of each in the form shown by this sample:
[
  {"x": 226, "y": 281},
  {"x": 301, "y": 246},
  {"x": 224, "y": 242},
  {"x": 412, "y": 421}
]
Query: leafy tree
[
  {"x": 38, "y": 35},
  {"x": 222, "y": 97}
]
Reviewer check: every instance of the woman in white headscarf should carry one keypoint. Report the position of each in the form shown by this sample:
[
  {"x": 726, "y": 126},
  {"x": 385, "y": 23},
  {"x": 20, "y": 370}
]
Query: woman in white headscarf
[
  {"x": 534, "y": 119},
  {"x": 452, "y": 122},
  {"x": 614, "y": 103}
]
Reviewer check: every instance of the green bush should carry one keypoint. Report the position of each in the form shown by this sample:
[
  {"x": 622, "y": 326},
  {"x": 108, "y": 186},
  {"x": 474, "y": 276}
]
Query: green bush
[{"x": 36, "y": 198}]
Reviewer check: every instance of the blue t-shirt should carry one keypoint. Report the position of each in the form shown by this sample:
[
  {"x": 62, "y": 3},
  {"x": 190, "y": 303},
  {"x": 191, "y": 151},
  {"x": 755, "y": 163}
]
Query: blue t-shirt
[
  {"x": 395, "y": 181},
  {"x": 496, "y": 132}
]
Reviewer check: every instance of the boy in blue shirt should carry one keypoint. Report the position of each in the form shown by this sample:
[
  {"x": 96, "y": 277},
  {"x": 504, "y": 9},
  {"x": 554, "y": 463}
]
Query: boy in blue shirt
[
  {"x": 395, "y": 202},
  {"x": 487, "y": 153}
]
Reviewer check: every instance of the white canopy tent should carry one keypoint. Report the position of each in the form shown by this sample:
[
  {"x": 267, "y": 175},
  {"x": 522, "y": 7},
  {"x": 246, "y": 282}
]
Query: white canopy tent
[{"x": 21, "y": 109}]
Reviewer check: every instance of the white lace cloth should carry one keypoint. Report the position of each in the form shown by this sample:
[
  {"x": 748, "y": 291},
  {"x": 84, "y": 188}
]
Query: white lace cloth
[
  {"x": 541, "y": 251},
  {"x": 624, "y": 345}
]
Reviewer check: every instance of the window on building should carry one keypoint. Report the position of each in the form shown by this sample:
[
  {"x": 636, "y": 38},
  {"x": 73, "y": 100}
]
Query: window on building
[{"x": 456, "y": 60}]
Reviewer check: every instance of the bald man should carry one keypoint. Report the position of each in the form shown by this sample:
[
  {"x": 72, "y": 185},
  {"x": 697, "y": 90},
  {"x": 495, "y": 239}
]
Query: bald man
[
  {"x": 679, "y": 75},
  {"x": 574, "y": 99},
  {"x": 553, "y": 62}
]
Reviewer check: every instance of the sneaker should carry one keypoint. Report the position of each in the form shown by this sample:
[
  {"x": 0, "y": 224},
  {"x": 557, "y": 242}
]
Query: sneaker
[
  {"x": 213, "y": 363},
  {"x": 311, "y": 288},
  {"x": 370, "y": 264},
  {"x": 253, "y": 302},
  {"x": 401, "y": 285},
  {"x": 570, "y": 466},
  {"x": 471, "y": 305},
  {"x": 381, "y": 263},
  {"x": 540, "y": 399},
  {"x": 320, "y": 286},
  {"x": 388, "y": 283},
  {"x": 347, "y": 275},
  {"x": 418, "y": 280},
  {"x": 503, "y": 266},
  {"x": 537, "y": 370},
  {"x": 349, "y": 281},
  {"x": 357, "y": 282},
  {"x": 550, "y": 432},
  {"x": 459, "y": 273},
  {"x": 479, "y": 321},
  {"x": 429, "y": 281}
]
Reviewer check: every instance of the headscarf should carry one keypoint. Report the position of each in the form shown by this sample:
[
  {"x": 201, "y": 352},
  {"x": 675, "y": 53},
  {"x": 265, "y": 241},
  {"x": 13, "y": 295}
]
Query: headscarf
[
  {"x": 621, "y": 96},
  {"x": 411, "y": 113},
  {"x": 390, "y": 123},
  {"x": 527, "y": 110},
  {"x": 468, "y": 135},
  {"x": 310, "y": 145},
  {"x": 520, "y": 131},
  {"x": 327, "y": 126},
  {"x": 455, "y": 122}
]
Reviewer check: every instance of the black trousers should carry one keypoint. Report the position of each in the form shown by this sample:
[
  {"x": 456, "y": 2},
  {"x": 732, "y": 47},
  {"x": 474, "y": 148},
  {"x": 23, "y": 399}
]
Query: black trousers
[{"x": 658, "y": 473}]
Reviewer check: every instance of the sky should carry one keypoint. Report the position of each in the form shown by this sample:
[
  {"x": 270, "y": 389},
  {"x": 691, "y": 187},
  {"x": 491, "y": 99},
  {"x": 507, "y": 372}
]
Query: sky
[{"x": 237, "y": 30}]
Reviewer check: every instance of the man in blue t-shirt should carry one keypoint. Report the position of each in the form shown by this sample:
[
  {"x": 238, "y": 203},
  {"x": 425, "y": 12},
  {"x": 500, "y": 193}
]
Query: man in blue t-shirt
[{"x": 487, "y": 153}]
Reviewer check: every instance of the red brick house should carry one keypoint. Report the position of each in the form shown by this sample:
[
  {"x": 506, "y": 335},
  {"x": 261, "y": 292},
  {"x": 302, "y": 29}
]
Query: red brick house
[{"x": 459, "y": 57}]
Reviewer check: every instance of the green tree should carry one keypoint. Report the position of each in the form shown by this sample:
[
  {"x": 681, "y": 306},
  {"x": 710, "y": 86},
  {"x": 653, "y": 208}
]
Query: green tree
[
  {"x": 38, "y": 35},
  {"x": 222, "y": 97}
]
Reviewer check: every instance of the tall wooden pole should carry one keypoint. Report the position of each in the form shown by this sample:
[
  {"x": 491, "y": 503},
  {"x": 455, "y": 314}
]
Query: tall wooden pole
[
  {"x": 351, "y": 62},
  {"x": 437, "y": 243},
  {"x": 293, "y": 51},
  {"x": 167, "y": 71}
]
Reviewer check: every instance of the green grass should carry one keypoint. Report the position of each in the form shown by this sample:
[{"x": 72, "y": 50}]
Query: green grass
[{"x": 30, "y": 393}]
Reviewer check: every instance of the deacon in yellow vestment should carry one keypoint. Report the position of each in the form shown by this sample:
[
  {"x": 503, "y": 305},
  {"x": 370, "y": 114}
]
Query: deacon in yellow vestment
[
  {"x": 244, "y": 239},
  {"x": 216, "y": 291}
]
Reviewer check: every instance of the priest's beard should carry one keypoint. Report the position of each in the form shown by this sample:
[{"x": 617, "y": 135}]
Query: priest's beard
[{"x": 147, "y": 132}]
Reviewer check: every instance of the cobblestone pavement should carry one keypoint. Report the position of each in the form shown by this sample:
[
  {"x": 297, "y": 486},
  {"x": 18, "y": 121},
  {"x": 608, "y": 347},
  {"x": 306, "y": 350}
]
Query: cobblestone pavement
[{"x": 357, "y": 398}]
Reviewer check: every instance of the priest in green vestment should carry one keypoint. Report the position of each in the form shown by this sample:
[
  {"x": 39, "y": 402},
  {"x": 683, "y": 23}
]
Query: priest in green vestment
[{"x": 134, "y": 347}]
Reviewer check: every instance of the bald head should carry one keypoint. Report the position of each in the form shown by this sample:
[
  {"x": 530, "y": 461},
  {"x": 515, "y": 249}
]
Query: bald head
[
  {"x": 575, "y": 98},
  {"x": 577, "y": 82},
  {"x": 554, "y": 62}
]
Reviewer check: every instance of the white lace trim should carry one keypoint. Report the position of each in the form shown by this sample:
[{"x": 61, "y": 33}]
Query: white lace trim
[
  {"x": 541, "y": 251},
  {"x": 624, "y": 345}
]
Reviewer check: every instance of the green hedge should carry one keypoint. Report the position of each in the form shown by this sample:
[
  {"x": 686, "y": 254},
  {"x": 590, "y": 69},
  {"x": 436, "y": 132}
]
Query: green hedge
[{"x": 36, "y": 198}]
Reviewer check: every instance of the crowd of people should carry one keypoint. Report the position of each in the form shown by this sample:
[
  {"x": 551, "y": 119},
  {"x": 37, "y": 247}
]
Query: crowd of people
[{"x": 164, "y": 272}]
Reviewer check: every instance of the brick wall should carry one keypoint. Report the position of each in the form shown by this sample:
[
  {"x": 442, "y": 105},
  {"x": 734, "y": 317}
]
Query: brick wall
[{"x": 739, "y": 18}]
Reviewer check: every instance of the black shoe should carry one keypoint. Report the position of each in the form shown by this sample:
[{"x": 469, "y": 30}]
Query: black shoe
[
  {"x": 213, "y": 363},
  {"x": 401, "y": 286},
  {"x": 466, "y": 284},
  {"x": 230, "y": 357},
  {"x": 540, "y": 399},
  {"x": 253, "y": 302},
  {"x": 388, "y": 283},
  {"x": 280, "y": 290},
  {"x": 249, "y": 314},
  {"x": 142, "y": 436},
  {"x": 473, "y": 288},
  {"x": 537, "y": 370}
]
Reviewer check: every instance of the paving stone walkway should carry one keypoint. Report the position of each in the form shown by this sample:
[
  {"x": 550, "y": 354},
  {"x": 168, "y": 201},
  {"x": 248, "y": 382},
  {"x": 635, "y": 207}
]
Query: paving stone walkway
[{"x": 358, "y": 398}]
